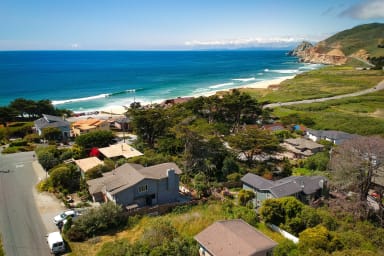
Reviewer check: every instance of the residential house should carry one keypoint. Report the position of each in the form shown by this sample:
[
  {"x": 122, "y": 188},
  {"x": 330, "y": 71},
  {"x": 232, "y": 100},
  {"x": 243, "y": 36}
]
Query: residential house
[
  {"x": 123, "y": 124},
  {"x": 304, "y": 188},
  {"x": 274, "y": 127},
  {"x": 87, "y": 125},
  {"x": 336, "y": 137},
  {"x": 135, "y": 185},
  {"x": 55, "y": 122},
  {"x": 120, "y": 150},
  {"x": 233, "y": 237},
  {"x": 300, "y": 148},
  {"x": 86, "y": 164}
]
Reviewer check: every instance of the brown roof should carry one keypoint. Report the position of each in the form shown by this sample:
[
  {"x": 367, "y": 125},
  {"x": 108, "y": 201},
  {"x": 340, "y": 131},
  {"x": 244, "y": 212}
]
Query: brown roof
[
  {"x": 86, "y": 124},
  {"x": 87, "y": 163},
  {"x": 233, "y": 237},
  {"x": 122, "y": 149},
  {"x": 128, "y": 175}
]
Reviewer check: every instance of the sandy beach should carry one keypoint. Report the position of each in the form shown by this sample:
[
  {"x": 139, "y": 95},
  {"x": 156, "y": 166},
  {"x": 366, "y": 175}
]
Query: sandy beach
[
  {"x": 115, "y": 111},
  {"x": 266, "y": 83}
]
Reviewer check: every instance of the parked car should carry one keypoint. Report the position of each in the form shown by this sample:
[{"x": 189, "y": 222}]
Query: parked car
[
  {"x": 64, "y": 215},
  {"x": 55, "y": 242}
]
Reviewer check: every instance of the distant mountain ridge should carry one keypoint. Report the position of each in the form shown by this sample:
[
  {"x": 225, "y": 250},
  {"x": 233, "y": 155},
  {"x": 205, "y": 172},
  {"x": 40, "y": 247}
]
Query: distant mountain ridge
[{"x": 361, "y": 42}]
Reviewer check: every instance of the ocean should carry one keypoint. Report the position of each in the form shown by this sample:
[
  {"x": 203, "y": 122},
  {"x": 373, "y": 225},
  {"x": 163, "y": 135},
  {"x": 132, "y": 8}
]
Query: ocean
[{"x": 94, "y": 80}]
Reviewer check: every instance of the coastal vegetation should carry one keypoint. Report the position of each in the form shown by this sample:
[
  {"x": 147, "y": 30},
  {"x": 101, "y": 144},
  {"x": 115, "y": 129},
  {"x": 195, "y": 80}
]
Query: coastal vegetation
[
  {"x": 368, "y": 37},
  {"x": 27, "y": 110},
  {"x": 362, "y": 115},
  {"x": 327, "y": 81}
]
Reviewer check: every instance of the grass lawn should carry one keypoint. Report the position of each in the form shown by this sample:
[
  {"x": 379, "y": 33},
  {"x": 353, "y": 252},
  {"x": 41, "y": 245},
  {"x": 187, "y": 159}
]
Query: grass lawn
[
  {"x": 188, "y": 222},
  {"x": 325, "y": 82}
]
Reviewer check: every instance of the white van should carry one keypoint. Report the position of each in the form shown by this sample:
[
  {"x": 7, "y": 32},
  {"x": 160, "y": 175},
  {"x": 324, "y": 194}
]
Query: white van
[{"x": 55, "y": 242}]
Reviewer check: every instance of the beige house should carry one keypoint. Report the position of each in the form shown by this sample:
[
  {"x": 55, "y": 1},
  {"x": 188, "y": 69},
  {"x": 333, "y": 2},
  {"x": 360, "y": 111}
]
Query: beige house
[
  {"x": 87, "y": 125},
  {"x": 300, "y": 148},
  {"x": 120, "y": 150},
  {"x": 88, "y": 163},
  {"x": 233, "y": 237}
]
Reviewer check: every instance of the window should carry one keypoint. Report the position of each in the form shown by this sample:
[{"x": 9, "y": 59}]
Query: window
[{"x": 143, "y": 188}]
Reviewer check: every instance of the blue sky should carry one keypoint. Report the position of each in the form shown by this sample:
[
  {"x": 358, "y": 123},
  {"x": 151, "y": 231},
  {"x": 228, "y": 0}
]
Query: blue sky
[{"x": 176, "y": 24}]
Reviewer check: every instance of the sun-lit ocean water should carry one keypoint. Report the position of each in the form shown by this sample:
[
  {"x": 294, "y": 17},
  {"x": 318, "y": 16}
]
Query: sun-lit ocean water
[{"x": 92, "y": 80}]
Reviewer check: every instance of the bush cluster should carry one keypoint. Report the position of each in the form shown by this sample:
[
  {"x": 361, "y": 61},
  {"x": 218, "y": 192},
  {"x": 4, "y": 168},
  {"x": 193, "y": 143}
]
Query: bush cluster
[{"x": 96, "y": 221}]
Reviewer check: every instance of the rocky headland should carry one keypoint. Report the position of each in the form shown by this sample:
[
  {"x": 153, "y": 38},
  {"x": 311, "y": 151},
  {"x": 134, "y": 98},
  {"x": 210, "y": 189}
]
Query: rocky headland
[
  {"x": 364, "y": 43},
  {"x": 318, "y": 54}
]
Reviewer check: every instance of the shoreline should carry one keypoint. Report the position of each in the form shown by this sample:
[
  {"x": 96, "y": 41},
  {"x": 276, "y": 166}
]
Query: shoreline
[{"x": 121, "y": 110}]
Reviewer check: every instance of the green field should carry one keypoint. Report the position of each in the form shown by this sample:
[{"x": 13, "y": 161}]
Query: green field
[
  {"x": 325, "y": 82},
  {"x": 362, "y": 115}
]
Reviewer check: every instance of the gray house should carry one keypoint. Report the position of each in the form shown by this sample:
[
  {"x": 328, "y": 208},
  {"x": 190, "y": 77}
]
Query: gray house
[
  {"x": 53, "y": 121},
  {"x": 304, "y": 188},
  {"x": 336, "y": 137},
  {"x": 133, "y": 185}
]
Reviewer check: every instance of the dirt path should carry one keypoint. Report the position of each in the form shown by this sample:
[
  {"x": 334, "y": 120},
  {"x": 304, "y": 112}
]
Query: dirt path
[{"x": 378, "y": 87}]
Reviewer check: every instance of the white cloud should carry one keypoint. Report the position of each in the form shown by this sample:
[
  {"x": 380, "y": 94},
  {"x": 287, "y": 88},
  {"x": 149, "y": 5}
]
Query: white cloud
[
  {"x": 366, "y": 9},
  {"x": 75, "y": 45},
  {"x": 250, "y": 42}
]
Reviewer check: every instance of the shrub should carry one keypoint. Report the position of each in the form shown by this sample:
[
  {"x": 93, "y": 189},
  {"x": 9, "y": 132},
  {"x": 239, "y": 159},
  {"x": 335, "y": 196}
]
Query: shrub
[
  {"x": 10, "y": 150},
  {"x": 96, "y": 221},
  {"x": 32, "y": 138},
  {"x": 18, "y": 143},
  {"x": 234, "y": 176},
  {"x": 244, "y": 196},
  {"x": 94, "y": 172}
]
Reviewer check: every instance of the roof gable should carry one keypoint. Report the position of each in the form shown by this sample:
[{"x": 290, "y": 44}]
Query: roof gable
[
  {"x": 286, "y": 186},
  {"x": 88, "y": 163},
  {"x": 50, "y": 121},
  {"x": 122, "y": 149},
  {"x": 129, "y": 175}
]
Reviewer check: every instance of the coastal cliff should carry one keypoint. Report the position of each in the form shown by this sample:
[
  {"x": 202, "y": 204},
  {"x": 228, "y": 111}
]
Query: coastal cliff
[
  {"x": 318, "y": 54},
  {"x": 361, "y": 42}
]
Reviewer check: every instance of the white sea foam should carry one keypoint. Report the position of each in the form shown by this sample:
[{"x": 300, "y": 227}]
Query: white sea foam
[
  {"x": 244, "y": 79},
  {"x": 285, "y": 71},
  {"x": 221, "y": 85},
  {"x": 100, "y": 96},
  {"x": 266, "y": 70}
]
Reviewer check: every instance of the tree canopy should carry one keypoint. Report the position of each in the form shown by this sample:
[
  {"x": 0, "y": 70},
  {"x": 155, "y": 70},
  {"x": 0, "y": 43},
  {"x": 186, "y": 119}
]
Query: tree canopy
[{"x": 93, "y": 139}]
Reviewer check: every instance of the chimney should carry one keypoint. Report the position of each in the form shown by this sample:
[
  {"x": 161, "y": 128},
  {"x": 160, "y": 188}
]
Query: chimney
[{"x": 171, "y": 179}]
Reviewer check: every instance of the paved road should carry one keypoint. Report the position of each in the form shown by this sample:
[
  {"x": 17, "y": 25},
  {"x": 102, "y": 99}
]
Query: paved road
[
  {"x": 22, "y": 229},
  {"x": 379, "y": 86}
]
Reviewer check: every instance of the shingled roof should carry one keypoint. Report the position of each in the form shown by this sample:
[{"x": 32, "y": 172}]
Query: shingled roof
[
  {"x": 233, "y": 237},
  {"x": 286, "y": 186},
  {"x": 50, "y": 121},
  {"x": 128, "y": 175}
]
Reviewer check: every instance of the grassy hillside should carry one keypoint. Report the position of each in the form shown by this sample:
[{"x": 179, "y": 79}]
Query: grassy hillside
[
  {"x": 360, "y": 37},
  {"x": 325, "y": 82}
]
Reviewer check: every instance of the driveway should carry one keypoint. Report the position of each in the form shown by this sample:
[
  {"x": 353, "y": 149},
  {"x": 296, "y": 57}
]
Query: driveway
[{"x": 25, "y": 215}]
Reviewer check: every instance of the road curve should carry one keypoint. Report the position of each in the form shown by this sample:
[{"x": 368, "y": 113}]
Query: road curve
[{"x": 378, "y": 87}]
